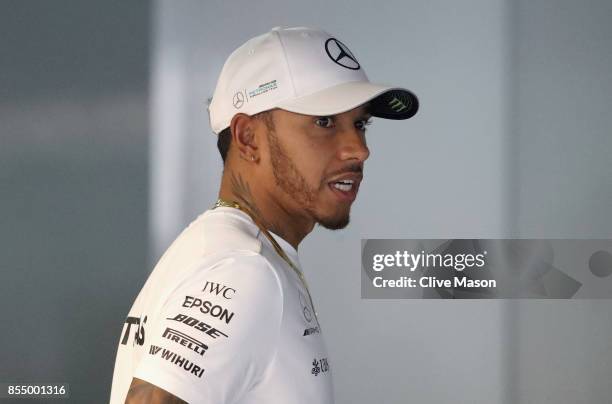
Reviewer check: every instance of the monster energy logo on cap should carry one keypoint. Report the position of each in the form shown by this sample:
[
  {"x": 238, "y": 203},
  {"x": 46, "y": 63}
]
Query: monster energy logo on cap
[{"x": 397, "y": 105}]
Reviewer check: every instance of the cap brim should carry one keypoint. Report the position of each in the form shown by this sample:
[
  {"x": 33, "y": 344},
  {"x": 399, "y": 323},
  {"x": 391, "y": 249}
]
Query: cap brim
[{"x": 385, "y": 101}]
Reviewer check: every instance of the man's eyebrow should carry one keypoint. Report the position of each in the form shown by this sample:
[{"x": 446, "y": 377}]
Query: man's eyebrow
[{"x": 365, "y": 116}]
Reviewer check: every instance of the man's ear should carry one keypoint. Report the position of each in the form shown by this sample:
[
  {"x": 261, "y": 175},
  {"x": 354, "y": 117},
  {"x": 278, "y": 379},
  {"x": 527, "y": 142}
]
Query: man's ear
[{"x": 244, "y": 137}]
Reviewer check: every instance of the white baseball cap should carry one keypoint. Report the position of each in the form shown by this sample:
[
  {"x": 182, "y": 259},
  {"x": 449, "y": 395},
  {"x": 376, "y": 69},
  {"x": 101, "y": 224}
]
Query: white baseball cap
[{"x": 302, "y": 70}]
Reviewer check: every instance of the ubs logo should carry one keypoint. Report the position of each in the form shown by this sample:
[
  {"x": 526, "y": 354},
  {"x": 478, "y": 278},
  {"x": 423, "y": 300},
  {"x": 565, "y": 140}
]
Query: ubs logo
[
  {"x": 319, "y": 366},
  {"x": 340, "y": 54}
]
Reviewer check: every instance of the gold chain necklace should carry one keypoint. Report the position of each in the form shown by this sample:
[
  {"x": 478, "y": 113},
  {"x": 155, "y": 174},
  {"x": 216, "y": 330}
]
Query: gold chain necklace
[{"x": 277, "y": 247}]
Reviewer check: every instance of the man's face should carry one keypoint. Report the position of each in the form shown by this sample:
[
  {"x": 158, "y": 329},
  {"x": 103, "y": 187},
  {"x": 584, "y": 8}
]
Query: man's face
[{"x": 317, "y": 163}]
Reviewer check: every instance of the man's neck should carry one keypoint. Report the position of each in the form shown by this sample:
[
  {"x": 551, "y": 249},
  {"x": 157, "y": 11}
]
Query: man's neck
[{"x": 266, "y": 209}]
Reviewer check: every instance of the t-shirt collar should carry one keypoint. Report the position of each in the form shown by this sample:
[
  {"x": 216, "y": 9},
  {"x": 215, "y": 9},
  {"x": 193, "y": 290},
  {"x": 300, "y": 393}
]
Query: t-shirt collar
[{"x": 287, "y": 248}]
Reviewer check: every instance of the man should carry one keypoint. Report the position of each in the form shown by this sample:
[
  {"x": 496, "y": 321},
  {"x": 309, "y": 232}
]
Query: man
[{"x": 226, "y": 315}]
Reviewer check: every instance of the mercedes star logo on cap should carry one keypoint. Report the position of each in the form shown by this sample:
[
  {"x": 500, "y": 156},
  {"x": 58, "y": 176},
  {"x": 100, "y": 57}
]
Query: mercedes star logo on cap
[
  {"x": 340, "y": 53},
  {"x": 238, "y": 100}
]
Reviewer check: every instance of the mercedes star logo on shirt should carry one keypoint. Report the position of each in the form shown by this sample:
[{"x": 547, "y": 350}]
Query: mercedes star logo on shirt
[{"x": 340, "y": 53}]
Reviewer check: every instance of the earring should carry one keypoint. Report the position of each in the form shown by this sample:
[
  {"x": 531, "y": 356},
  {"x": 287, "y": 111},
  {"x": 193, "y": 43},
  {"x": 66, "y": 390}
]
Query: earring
[{"x": 252, "y": 157}]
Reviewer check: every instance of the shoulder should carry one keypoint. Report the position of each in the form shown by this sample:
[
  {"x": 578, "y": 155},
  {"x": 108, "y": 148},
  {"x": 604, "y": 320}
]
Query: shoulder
[
  {"x": 214, "y": 232},
  {"x": 228, "y": 229},
  {"x": 236, "y": 279},
  {"x": 217, "y": 332}
]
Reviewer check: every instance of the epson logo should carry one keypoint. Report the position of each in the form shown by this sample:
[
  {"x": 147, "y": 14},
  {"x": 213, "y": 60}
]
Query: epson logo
[
  {"x": 198, "y": 325},
  {"x": 185, "y": 340},
  {"x": 208, "y": 307},
  {"x": 217, "y": 288}
]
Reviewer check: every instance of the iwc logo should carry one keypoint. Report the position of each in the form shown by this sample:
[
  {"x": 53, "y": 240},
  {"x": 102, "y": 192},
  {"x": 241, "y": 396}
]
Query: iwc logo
[{"x": 340, "y": 54}]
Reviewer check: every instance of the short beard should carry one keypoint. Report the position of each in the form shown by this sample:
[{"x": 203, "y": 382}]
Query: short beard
[{"x": 288, "y": 178}]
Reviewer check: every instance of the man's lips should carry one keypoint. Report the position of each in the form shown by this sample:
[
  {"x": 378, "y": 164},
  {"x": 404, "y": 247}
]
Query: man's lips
[
  {"x": 344, "y": 196},
  {"x": 346, "y": 186}
]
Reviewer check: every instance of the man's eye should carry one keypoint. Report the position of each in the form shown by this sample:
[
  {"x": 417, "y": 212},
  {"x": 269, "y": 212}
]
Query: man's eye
[
  {"x": 363, "y": 124},
  {"x": 325, "y": 122}
]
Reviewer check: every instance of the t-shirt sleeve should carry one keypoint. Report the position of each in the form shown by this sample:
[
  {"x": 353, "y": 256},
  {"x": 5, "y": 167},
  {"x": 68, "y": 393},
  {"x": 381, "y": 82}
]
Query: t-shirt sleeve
[{"x": 216, "y": 333}]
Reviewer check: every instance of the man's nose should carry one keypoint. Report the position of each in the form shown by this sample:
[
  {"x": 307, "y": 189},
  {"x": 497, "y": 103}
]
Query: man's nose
[{"x": 353, "y": 145}]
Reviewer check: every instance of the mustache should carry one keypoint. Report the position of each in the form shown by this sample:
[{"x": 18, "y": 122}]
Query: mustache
[{"x": 351, "y": 168}]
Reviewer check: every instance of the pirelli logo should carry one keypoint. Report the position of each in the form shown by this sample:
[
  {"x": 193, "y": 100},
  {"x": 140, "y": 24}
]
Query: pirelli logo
[{"x": 185, "y": 340}]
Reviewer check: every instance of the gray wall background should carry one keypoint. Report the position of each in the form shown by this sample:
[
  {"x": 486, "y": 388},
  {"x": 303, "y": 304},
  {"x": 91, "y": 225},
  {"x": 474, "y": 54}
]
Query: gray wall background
[
  {"x": 98, "y": 174},
  {"x": 73, "y": 187},
  {"x": 562, "y": 350}
]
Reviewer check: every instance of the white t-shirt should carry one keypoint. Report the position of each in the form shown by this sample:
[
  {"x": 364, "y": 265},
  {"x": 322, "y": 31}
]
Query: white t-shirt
[{"x": 224, "y": 319}]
